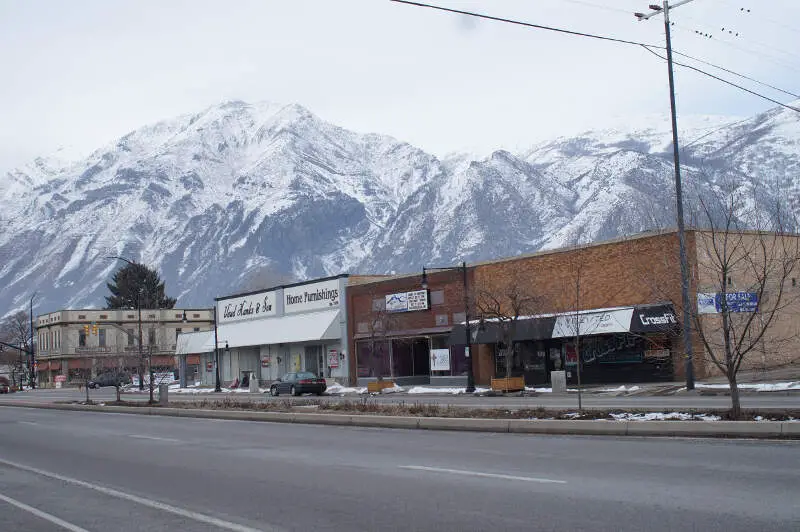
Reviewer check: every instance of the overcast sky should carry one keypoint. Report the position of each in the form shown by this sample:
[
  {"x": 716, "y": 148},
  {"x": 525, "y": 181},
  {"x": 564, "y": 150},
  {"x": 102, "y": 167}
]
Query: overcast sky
[{"x": 80, "y": 73}]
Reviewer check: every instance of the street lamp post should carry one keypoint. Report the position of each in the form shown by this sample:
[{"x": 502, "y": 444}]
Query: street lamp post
[
  {"x": 217, "y": 385},
  {"x": 467, "y": 337},
  {"x": 32, "y": 369}
]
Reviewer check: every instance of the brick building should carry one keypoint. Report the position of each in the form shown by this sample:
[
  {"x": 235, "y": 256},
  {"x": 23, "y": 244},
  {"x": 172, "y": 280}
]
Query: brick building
[{"x": 623, "y": 296}]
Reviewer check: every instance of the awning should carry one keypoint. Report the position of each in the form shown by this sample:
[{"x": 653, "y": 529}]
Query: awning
[
  {"x": 194, "y": 343},
  {"x": 79, "y": 363},
  {"x": 44, "y": 366},
  {"x": 55, "y": 365},
  {"x": 313, "y": 326},
  {"x": 163, "y": 360},
  {"x": 637, "y": 319}
]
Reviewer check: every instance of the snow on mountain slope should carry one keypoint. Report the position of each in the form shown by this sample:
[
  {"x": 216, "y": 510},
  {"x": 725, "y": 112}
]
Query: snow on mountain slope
[{"x": 211, "y": 198}]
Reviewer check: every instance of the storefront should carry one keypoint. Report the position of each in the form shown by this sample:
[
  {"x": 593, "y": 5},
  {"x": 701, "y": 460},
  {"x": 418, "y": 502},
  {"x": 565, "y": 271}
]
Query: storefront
[
  {"x": 401, "y": 330},
  {"x": 622, "y": 344},
  {"x": 298, "y": 327}
]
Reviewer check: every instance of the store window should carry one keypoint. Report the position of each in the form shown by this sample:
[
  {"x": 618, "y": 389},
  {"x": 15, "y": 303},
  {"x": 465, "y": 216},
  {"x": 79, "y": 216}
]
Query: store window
[
  {"x": 373, "y": 359},
  {"x": 81, "y": 338},
  {"x": 130, "y": 336},
  {"x": 411, "y": 357},
  {"x": 151, "y": 336},
  {"x": 101, "y": 338}
]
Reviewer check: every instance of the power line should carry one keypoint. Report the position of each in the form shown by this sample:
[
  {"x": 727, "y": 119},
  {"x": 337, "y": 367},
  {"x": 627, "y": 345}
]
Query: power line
[
  {"x": 725, "y": 81},
  {"x": 647, "y": 47},
  {"x": 736, "y": 73},
  {"x": 526, "y": 24}
]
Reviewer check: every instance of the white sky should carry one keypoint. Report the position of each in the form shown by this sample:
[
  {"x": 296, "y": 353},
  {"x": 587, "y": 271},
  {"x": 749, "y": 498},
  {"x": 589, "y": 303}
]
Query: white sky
[{"x": 80, "y": 73}]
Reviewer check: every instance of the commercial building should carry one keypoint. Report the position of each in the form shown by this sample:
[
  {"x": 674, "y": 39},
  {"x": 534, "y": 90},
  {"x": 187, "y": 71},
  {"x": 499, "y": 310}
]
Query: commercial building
[
  {"x": 616, "y": 304},
  {"x": 79, "y": 344},
  {"x": 265, "y": 334}
]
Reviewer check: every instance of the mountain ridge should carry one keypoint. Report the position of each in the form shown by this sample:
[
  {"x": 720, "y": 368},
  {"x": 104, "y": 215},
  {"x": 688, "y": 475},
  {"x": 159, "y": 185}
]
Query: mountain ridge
[{"x": 241, "y": 193}]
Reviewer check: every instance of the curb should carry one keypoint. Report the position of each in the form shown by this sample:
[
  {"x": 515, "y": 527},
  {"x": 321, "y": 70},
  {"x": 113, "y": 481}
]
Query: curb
[{"x": 695, "y": 429}]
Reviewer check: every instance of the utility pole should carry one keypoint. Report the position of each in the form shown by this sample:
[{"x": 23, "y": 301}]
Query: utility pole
[
  {"x": 32, "y": 372},
  {"x": 687, "y": 304}
]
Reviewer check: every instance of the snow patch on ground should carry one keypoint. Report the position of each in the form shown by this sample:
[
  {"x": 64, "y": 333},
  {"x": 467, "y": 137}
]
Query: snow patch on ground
[
  {"x": 622, "y": 388},
  {"x": 661, "y": 416},
  {"x": 338, "y": 389},
  {"x": 418, "y": 390},
  {"x": 758, "y": 387}
]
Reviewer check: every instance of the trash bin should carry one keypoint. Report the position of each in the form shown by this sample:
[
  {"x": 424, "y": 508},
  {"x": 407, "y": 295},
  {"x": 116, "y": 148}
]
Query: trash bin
[{"x": 559, "y": 381}]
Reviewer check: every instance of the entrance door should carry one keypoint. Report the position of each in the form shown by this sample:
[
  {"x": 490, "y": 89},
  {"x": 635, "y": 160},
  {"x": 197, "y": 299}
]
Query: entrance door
[
  {"x": 313, "y": 355},
  {"x": 534, "y": 362}
]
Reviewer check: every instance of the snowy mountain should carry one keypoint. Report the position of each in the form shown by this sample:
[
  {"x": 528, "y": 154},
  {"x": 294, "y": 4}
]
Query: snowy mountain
[{"x": 231, "y": 196}]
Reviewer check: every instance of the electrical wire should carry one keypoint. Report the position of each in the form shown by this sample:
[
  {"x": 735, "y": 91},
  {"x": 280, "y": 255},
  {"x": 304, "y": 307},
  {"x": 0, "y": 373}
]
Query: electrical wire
[
  {"x": 690, "y": 67},
  {"x": 736, "y": 73},
  {"x": 526, "y": 24},
  {"x": 647, "y": 47}
]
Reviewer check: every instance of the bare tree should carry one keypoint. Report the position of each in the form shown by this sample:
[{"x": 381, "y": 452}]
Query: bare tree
[
  {"x": 380, "y": 323},
  {"x": 15, "y": 330},
  {"x": 506, "y": 305},
  {"x": 744, "y": 277}
]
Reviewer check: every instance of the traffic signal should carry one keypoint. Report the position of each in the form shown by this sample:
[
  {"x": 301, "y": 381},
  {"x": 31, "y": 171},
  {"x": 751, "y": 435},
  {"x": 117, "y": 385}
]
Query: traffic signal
[
  {"x": 94, "y": 329},
  {"x": 86, "y": 330}
]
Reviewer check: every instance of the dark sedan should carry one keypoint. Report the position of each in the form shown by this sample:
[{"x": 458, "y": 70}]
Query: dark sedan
[{"x": 298, "y": 383}]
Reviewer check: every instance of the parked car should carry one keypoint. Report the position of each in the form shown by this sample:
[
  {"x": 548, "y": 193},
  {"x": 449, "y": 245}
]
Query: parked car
[
  {"x": 298, "y": 383},
  {"x": 5, "y": 386},
  {"x": 109, "y": 379}
]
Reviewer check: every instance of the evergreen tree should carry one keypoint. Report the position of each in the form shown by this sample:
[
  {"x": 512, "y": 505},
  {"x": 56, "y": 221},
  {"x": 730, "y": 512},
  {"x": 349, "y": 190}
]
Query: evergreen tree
[{"x": 137, "y": 284}]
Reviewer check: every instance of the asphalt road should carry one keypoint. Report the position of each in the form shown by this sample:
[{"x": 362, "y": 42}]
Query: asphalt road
[
  {"x": 89, "y": 471},
  {"x": 770, "y": 401}
]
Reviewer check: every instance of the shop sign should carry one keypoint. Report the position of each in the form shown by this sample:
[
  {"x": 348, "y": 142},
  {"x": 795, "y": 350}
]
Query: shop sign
[
  {"x": 265, "y": 362},
  {"x": 612, "y": 321},
  {"x": 259, "y": 305},
  {"x": 209, "y": 366},
  {"x": 61, "y": 378},
  {"x": 440, "y": 360},
  {"x": 313, "y": 296},
  {"x": 333, "y": 358},
  {"x": 711, "y": 303},
  {"x": 654, "y": 319},
  {"x": 407, "y": 301}
]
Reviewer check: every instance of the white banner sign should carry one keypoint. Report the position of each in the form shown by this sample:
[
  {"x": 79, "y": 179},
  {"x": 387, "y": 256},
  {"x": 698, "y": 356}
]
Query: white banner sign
[
  {"x": 440, "y": 360},
  {"x": 613, "y": 321},
  {"x": 259, "y": 305},
  {"x": 407, "y": 301},
  {"x": 314, "y": 296}
]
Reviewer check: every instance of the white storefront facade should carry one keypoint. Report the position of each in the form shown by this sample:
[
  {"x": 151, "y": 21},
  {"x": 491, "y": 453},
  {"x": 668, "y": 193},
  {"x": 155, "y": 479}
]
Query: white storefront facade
[{"x": 298, "y": 327}]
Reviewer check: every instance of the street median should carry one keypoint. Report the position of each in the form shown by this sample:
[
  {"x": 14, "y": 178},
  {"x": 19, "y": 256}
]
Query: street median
[{"x": 703, "y": 429}]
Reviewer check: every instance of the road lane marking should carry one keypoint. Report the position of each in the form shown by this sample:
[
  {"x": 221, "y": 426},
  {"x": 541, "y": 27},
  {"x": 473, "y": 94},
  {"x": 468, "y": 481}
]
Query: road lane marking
[
  {"x": 27, "y": 422},
  {"x": 153, "y": 438},
  {"x": 196, "y": 516},
  {"x": 484, "y": 475},
  {"x": 38, "y": 513}
]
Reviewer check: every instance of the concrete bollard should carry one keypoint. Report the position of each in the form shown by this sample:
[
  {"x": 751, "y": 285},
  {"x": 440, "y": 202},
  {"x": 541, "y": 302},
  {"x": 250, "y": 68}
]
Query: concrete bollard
[
  {"x": 163, "y": 394},
  {"x": 559, "y": 381}
]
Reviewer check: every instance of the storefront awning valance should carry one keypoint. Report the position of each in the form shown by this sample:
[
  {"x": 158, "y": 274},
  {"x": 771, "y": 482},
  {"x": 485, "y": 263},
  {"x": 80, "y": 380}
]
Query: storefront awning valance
[
  {"x": 194, "y": 343},
  {"x": 308, "y": 327},
  {"x": 636, "y": 319}
]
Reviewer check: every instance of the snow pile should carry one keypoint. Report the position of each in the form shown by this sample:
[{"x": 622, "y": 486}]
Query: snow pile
[
  {"x": 757, "y": 387},
  {"x": 660, "y": 416},
  {"x": 338, "y": 389},
  {"x": 622, "y": 388}
]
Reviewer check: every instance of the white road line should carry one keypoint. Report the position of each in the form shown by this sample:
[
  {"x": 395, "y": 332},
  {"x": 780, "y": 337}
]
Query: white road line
[
  {"x": 38, "y": 513},
  {"x": 196, "y": 516},
  {"x": 154, "y": 438},
  {"x": 27, "y": 422},
  {"x": 485, "y": 475}
]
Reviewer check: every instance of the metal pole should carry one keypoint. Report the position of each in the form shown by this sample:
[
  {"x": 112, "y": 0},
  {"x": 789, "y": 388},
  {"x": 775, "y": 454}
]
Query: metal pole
[
  {"x": 217, "y": 385},
  {"x": 32, "y": 377},
  {"x": 141, "y": 354},
  {"x": 470, "y": 374},
  {"x": 687, "y": 309}
]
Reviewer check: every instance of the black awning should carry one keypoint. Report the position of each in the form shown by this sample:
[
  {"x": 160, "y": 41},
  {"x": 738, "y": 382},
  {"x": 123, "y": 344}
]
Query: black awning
[
  {"x": 654, "y": 319},
  {"x": 491, "y": 332}
]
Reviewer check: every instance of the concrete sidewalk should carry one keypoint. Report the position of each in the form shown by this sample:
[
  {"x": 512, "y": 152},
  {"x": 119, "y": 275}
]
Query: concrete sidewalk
[{"x": 701, "y": 429}]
